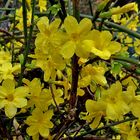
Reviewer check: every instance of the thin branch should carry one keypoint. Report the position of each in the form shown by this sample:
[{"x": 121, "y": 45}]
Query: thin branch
[
  {"x": 11, "y": 35},
  {"x": 116, "y": 26},
  {"x": 26, "y": 39},
  {"x": 104, "y": 127},
  {"x": 51, "y": 88}
]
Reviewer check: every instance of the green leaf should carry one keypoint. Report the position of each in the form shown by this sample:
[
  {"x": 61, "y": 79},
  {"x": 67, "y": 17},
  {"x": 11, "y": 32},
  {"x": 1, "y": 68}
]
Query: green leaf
[
  {"x": 116, "y": 67},
  {"x": 21, "y": 59}
]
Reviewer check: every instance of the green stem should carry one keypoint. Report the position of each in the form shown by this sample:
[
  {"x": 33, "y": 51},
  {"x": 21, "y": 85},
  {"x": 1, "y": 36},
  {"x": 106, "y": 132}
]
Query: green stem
[
  {"x": 104, "y": 127},
  {"x": 126, "y": 59},
  {"x": 7, "y": 9},
  {"x": 26, "y": 39},
  {"x": 116, "y": 26},
  {"x": 6, "y": 6}
]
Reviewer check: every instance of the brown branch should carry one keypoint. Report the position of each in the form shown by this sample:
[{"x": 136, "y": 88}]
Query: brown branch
[
  {"x": 10, "y": 34},
  {"x": 53, "y": 96}
]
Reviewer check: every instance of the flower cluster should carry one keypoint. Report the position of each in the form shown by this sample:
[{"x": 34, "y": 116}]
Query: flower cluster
[{"x": 71, "y": 70}]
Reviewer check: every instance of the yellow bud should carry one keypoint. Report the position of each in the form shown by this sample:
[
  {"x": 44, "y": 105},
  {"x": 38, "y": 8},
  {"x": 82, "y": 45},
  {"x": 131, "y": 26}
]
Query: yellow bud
[
  {"x": 105, "y": 14},
  {"x": 102, "y": 5},
  {"x": 126, "y": 8}
]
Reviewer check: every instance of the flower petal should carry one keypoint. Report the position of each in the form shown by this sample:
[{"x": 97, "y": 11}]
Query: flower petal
[
  {"x": 114, "y": 47},
  {"x": 96, "y": 121},
  {"x": 68, "y": 49},
  {"x": 42, "y": 24},
  {"x": 9, "y": 85},
  {"x": 20, "y": 102},
  {"x": 44, "y": 132},
  {"x": 21, "y": 92},
  {"x": 3, "y": 92},
  {"x": 32, "y": 130},
  {"x": 10, "y": 110},
  {"x": 85, "y": 26},
  {"x": 70, "y": 24}
]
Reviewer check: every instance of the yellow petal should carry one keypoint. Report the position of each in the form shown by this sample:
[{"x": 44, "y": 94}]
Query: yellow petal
[
  {"x": 80, "y": 92},
  {"x": 48, "y": 114},
  {"x": 36, "y": 136},
  {"x": 10, "y": 110},
  {"x": 100, "y": 79},
  {"x": 21, "y": 92},
  {"x": 20, "y": 102},
  {"x": 135, "y": 108},
  {"x": 2, "y": 103},
  {"x": 106, "y": 37},
  {"x": 44, "y": 132},
  {"x": 68, "y": 49},
  {"x": 85, "y": 81},
  {"x": 43, "y": 23},
  {"x": 47, "y": 73},
  {"x": 85, "y": 26},
  {"x": 96, "y": 121},
  {"x": 32, "y": 130},
  {"x": 90, "y": 104},
  {"x": 104, "y": 54},
  {"x": 9, "y": 85},
  {"x": 70, "y": 24},
  {"x": 55, "y": 25},
  {"x": 83, "y": 50},
  {"x": 111, "y": 113},
  {"x": 114, "y": 47},
  {"x": 3, "y": 92}
]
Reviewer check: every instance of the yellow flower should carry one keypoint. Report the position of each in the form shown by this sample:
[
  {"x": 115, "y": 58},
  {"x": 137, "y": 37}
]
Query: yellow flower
[
  {"x": 42, "y": 5},
  {"x": 4, "y": 57},
  {"x": 7, "y": 70},
  {"x": 92, "y": 73},
  {"x": 48, "y": 43},
  {"x": 19, "y": 17},
  {"x": 116, "y": 106},
  {"x": 137, "y": 46},
  {"x": 42, "y": 98},
  {"x": 76, "y": 34},
  {"x": 96, "y": 110},
  {"x": 130, "y": 81},
  {"x": 126, "y": 8},
  {"x": 48, "y": 37},
  {"x": 132, "y": 100},
  {"x": 39, "y": 123},
  {"x": 36, "y": 96},
  {"x": 12, "y": 98},
  {"x": 128, "y": 131},
  {"x": 102, "y": 45}
]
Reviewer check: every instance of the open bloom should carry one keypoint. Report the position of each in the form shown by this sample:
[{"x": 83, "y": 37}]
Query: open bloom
[
  {"x": 116, "y": 107},
  {"x": 102, "y": 45},
  {"x": 39, "y": 123},
  {"x": 92, "y": 73},
  {"x": 48, "y": 43},
  {"x": 76, "y": 34},
  {"x": 12, "y": 98},
  {"x": 133, "y": 101},
  {"x": 96, "y": 110},
  {"x": 7, "y": 70}
]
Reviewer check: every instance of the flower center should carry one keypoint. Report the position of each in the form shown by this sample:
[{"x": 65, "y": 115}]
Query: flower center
[
  {"x": 75, "y": 37},
  {"x": 10, "y": 97},
  {"x": 113, "y": 99}
]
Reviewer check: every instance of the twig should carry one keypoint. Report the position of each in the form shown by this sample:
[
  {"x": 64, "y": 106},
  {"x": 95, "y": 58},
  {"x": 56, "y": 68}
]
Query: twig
[
  {"x": 6, "y": 6},
  {"x": 90, "y": 6},
  {"x": 10, "y": 34},
  {"x": 104, "y": 127},
  {"x": 51, "y": 88},
  {"x": 26, "y": 39},
  {"x": 116, "y": 26}
]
